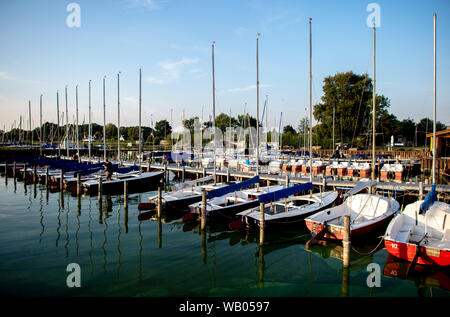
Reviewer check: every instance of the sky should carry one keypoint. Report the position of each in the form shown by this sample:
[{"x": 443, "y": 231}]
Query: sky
[{"x": 170, "y": 40}]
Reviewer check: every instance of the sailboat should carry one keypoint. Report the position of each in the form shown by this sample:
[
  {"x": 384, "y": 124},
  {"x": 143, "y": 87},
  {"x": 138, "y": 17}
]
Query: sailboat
[
  {"x": 368, "y": 212},
  {"x": 137, "y": 180},
  {"x": 288, "y": 211},
  {"x": 224, "y": 203},
  {"x": 182, "y": 195},
  {"x": 421, "y": 233}
]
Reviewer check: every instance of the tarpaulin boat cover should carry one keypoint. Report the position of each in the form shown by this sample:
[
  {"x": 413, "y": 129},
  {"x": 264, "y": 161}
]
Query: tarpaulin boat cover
[
  {"x": 286, "y": 192},
  {"x": 232, "y": 188},
  {"x": 429, "y": 200}
]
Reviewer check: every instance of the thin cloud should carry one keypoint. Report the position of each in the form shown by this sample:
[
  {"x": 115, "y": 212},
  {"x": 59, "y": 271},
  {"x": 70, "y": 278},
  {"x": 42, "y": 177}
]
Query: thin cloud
[
  {"x": 241, "y": 89},
  {"x": 171, "y": 70},
  {"x": 148, "y": 4},
  {"x": 5, "y": 76}
]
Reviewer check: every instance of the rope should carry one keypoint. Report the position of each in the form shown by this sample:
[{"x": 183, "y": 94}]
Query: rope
[{"x": 360, "y": 253}]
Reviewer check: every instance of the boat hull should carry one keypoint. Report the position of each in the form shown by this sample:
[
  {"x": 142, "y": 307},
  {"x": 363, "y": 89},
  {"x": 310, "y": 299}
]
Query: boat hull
[
  {"x": 426, "y": 255},
  {"x": 135, "y": 185},
  {"x": 337, "y": 233}
]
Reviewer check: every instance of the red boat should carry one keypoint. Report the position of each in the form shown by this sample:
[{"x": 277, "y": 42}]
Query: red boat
[
  {"x": 419, "y": 236},
  {"x": 367, "y": 212}
]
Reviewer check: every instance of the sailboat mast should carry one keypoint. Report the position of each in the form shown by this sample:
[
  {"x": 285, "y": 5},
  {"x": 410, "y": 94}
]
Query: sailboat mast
[
  {"x": 40, "y": 122},
  {"x": 118, "y": 117},
  {"x": 104, "y": 120},
  {"x": 140, "y": 104},
  {"x": 29, "y": 119},
  {"x": 90, "y": 131},
  {"x": 257, "y": 105},
  {"x": 57, "y": 129},
  {"x": 310, "y": 101},
  {"x": 76, "y": 129},
  {"x": 434, "y": 99},
  {"x": 214, "y": 108},
  {"x": 67, "y": 124},
  {"x": 373, "y": 110}
]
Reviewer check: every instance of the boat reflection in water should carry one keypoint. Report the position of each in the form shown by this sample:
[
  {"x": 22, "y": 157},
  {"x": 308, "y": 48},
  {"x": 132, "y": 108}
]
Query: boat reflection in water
[{"x": 422, "y": 276}]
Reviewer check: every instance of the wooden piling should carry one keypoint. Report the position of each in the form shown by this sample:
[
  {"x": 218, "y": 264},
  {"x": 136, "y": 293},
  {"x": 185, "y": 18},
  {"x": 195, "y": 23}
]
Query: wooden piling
[
  {"x": 228, "y": 176},
  {"x": 203, "y": 212},
  {"x": 78, "y": 184},
  {"x": 100, "y": 188},
  {"x": 14, "y": 169},
  {"x": 287, "y": 180},
  {"x": 182, "y": 173},
  {"x": 46, "y": 176},
  {"x": 420, "y": 190},
  {"x": 125, "y": 194},
  {"x": 61, "y": 180},
  {"x": 34, "y": 174},
  {"x": 261, "y": 224},
  {"x": 159, "y": 206},
  {"x": 346, "y": 241}
]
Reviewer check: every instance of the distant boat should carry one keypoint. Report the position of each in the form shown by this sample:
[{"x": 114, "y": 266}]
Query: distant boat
[
  {"x": 283, "y": 213},
  {"x": 368, "y": 213}
]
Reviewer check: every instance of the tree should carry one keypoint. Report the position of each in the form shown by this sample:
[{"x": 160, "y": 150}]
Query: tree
[
  {"x": 289, "y": 129},
  {"x": 350, "y": 95},
  {"x": 162, "y": 129},
  {"x": 223, "y": 121},
  {"x": 111, "y": 131}
]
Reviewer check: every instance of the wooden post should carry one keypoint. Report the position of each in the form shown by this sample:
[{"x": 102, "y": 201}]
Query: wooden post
[
  {"x": 6, "y": 169},
  {"x": 420, "y": 190},
  {"x": 61, "y": 180},
  {"x": 159, "y": 202},
  {"x": 100, "y": 188},
  {"x": 165, "y": 174},
  {"x": 182, "y": 173},
  {"x": 228, "y": 176},
  {"x": 203, "y": 212},
  {"x": 78, "y": 185},
  {"x": 24, "y": 172},
  {"x": 204, "y": 172},
  {"x": 324, "y": 184},
  {"x": 287, "y": 180},
  {"x": 14, "y": 170},
  {"x": 346, "y": 241},
  {"x": 46, "y": 176},
  {"x": 125, "y": 194},
  {"x": 261, "y": 224},
  {"x": 34, "y": 174}
]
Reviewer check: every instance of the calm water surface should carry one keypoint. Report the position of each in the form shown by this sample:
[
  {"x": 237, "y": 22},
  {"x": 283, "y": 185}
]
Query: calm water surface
[{"x": 41, "y": 232}]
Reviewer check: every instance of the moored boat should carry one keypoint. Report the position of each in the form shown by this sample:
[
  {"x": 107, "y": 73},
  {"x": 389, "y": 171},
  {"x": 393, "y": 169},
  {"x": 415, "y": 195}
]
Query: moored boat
[{"x": 368, "y": 213}]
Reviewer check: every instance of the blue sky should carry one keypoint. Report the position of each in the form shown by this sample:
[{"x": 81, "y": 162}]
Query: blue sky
[{"x": 171, "y": 41}]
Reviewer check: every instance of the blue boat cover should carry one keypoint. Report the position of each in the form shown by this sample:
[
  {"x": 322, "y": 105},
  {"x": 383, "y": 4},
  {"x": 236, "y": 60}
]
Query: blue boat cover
[
  {"x": 286, "y": 192},
  {"x": 232, "y": 188},
  {"x": 429, "y": 200}
]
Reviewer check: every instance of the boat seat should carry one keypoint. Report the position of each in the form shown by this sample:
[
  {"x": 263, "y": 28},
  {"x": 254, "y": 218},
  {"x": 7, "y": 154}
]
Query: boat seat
[{"x": 403, "y": 235}]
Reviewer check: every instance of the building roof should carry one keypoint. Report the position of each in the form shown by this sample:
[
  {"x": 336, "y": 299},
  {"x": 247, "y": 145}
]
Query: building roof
[{"x": 442, "y": 133}]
